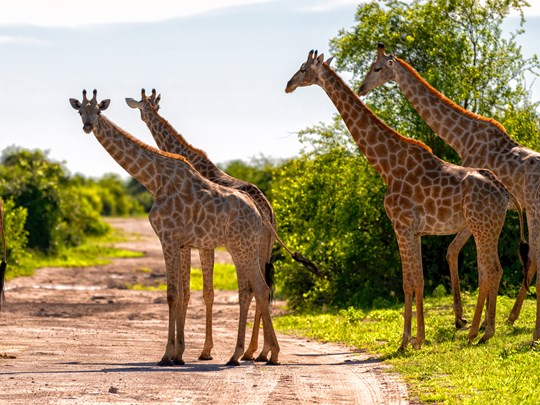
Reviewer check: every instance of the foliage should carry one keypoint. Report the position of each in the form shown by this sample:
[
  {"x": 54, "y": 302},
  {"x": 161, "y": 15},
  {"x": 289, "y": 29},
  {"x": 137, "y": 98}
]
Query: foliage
[
  {"x": 446, "y": 369},
  {"x": 329, "y": 207},
  {"x": 140, "y": 194},
  {"x": 93, "y": 251},
  {"x": 47, "y": 211},
  {"x": 459, "y": 48},
  {"x": 114, "y": 197},
  {"x": 33, "y": 182},
  {"x": 15, "y": 233},
  {"x": 224, "y": 278},
  {"x": 258, "y": 171}
]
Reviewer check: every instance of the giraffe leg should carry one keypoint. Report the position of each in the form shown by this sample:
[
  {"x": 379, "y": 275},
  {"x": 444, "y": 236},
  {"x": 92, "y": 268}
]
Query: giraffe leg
[
  {"x": 245, "y": 295},
  {"x": 534, "y": 254},
  {"x": 267, "y": 242},
  {"x": 536, "y": 334},
  {"x": 491, "y": 307},
  {"x": 207, "y": 265},
  {"x": 262, "y": 294},
  {"x": 483, "y": 291},
  {"x": 175, "y": 344},
  {"x": 452, "y": 259},
  {"x": 184, "y": 289},
  {"x": 413, "y": 284},
  {"x": 253, "y": 343},
  {"x": 489, "y": 276}
]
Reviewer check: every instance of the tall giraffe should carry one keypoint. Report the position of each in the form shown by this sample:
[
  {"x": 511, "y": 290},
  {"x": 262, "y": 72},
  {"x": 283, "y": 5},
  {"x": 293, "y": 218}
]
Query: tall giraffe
[
  {"x": 189, "y": 210},
  {"x": 425, "y": 196},
  {"x": 170, "y": 140},
  {"x": 480, "y": 142}
]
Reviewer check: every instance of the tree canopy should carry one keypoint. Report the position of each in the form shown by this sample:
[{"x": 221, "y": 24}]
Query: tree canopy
[{"x": 460, "y": 48}]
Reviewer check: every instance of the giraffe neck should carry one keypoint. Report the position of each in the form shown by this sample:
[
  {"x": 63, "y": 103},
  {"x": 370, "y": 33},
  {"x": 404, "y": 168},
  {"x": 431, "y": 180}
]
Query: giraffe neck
[
  {"x": 463, "y": 130},
  {"x": 386, "y": 150},
  {"x": 144, "y": 163},
  {"x": 169, "y": 140}
]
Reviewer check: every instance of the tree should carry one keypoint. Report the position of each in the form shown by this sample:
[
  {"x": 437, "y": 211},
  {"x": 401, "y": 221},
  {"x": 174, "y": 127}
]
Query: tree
[
  {"x": 329, "y": 207},
  {"x": 258, "y": 172},
  {"x": 459, "y": 47}
]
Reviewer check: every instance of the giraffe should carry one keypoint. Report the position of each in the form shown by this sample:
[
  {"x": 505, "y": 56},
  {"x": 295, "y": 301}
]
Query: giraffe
[
  {"x": 170, "y": 140},
  {"x": 189, "y": 210},
  {"x": 480, "y": 142},
  {"x": 425, "y": 196}
]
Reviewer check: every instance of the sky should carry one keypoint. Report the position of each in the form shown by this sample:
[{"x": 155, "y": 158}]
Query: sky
[{"x": 220, "y": 65}]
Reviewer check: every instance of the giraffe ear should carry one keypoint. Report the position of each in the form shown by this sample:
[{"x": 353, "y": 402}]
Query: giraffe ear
[
  {"x": 329, "y": 60},
  {"x": 320, "y": 59},
  {"x": 104, "y": 104},
  {"x": 76, "y": 104},
  {"x": 132, "y": 103}
]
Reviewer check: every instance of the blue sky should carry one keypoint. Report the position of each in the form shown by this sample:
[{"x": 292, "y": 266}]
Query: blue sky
[{"x": 220, "y": 65}]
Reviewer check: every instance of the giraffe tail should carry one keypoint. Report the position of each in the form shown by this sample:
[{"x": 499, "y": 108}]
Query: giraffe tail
[
  {"x": 523, "y": 249},
  {"x": 308, "y": 264},
  {"x": 270, "y": 280}
]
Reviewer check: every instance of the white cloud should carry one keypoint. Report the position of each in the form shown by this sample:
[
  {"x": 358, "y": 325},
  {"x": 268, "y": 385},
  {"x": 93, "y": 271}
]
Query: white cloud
[
  {"x": 11, "y": 39},
  {"x": 70, "y": 13},
  {"x": 328, "y": 5}
]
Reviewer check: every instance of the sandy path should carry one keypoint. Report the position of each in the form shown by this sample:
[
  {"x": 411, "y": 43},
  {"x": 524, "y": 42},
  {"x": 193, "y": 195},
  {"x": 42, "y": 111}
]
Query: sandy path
[{"x": 78, "y": 336}]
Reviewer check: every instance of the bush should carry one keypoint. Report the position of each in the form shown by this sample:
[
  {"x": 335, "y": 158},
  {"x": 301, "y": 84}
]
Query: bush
[{"x": 15, "y": 232}]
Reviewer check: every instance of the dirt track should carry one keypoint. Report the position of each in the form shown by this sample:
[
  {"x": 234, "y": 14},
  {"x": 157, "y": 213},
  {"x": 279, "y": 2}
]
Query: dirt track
[{"x": 78, "y": 336}]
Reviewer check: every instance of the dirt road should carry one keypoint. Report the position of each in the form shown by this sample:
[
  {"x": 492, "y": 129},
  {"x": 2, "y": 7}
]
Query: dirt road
[{"x": 74, "y": 336}]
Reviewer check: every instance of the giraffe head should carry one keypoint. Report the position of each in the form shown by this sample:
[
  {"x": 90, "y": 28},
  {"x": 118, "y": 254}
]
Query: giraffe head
[
  {"x": 89, "y": 110},
  {"x": 309, "y": 72},
  {"x": 145, "y": 103},
  {"x": 380, "y": 72}
]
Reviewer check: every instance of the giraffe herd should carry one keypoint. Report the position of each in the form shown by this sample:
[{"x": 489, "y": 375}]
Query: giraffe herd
[{"x": 197, "y": 205}]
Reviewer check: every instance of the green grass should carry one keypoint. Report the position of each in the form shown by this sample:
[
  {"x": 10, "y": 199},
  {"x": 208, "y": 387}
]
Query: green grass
[
  {"x": 224, "y": 279},
  {"x": 93, "y": 252},
  {"x": 505, "y": 370}
]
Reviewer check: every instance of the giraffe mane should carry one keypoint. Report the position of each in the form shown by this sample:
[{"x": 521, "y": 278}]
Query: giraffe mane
[
  {"x": 143, "y": 145},
  {"x": 175, "y": 133},
  {"x": 374, "y": 117},
  {"x": 446, "y": 100}
]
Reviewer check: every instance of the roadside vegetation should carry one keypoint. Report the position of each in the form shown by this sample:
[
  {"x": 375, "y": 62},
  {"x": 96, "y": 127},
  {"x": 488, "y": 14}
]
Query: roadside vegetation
[
  {"x": 329, "y": 206},
  {"x": 446, "y": 369}
]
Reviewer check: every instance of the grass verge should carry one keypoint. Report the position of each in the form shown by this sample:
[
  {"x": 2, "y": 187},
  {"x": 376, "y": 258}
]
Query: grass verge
[
  {"x": 447, "y": 369},
  {"x": 93, "y": 252},
  {"x": 224, "y": 278}
]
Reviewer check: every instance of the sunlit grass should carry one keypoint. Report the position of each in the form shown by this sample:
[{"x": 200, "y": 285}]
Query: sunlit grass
[
  {"x": 446, "y": 369},
  {"x": 224, "y": 277},
  {"x": 93, "y": 252}
]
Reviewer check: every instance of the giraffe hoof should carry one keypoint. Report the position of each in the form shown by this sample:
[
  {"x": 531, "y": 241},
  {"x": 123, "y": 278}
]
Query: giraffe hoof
[
  {"x": 178, "y": 362},
  {"x": 248, "y": 357},
  {"x": 273, "y": 363},
  {"x": 165, "y": 363},
  {"x": 261, "y": 358},
  {"x": 233, "y": 362},
  {"x": 461, "y": 323},
  {"x": 204, "y": 357},
  {"x": 510, "y": 321}
]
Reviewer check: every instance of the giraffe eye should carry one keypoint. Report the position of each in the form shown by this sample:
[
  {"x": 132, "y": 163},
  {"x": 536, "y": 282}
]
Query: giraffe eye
[{"x": 377, "y": 69}]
